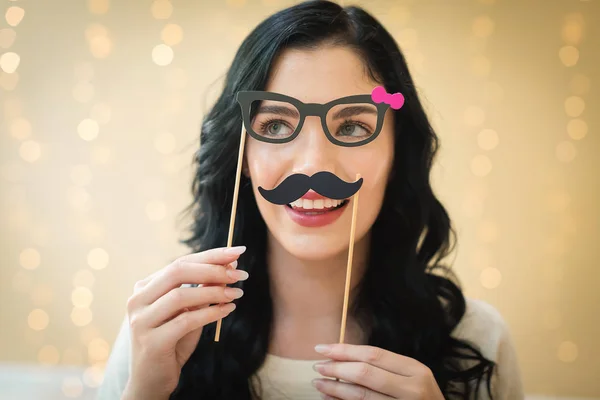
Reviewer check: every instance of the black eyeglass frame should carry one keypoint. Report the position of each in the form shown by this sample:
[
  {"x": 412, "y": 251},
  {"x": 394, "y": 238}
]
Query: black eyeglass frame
[{"x": 246, "y": 97}]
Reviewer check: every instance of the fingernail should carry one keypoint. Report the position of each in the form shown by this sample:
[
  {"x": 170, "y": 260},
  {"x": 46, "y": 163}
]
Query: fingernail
[
  {"x": 229, "y": 307},
  {"x": 318, "y": 367},
  {"x": 235, "y": 250},
  {"x": 233, "y": 264},
  {"x": 322, "y": 348},
  {"x": 238, "y": 274},
  {"x": 233, "y": 293},
  {"x": 316, "y": 382}
]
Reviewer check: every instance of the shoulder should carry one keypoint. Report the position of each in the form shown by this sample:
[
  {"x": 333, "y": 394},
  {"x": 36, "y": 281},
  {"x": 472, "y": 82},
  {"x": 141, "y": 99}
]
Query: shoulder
[
  {"x": 484, "y": 328},
  {"x": 482, "y": 325}
]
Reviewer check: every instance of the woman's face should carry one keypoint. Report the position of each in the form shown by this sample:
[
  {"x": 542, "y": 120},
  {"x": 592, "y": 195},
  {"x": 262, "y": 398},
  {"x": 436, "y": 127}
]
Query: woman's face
[{"x": 319, "y": 76}]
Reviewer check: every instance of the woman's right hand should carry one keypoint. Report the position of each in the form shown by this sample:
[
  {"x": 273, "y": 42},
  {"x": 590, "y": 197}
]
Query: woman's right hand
[{"x": 166, "y": 320}]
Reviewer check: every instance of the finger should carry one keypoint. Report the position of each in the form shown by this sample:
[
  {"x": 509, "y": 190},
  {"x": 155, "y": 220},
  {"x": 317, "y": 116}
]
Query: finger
[
  {"x": 171, "y": 332},
  {"x": 347, "y": 391},
  {"x": 185, "y": 299},
  {"x": 219, "y": 255},
  {"x": 232, "y": 265},
  {"x": 378, "y": 357},
  {"x": 364, "y": 374},
  {"x": 183, "y": 272},
  {"x": 139, "y": 285}
]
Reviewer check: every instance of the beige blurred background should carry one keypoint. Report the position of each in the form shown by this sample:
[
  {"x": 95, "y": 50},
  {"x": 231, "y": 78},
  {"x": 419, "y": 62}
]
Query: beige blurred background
[{"x": 101, "y": 105}]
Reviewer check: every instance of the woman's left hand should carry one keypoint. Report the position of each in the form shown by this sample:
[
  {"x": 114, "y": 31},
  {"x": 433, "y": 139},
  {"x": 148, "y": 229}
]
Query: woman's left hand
[{"x": 373, "y": 374}]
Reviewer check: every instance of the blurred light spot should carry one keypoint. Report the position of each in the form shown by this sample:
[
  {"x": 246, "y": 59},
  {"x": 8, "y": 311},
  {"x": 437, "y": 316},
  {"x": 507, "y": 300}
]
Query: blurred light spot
[
  {"x": 42, "y": 295},
  {"x": 483, "y": 26},
  {"x": 84, "y": 71},
  {"x": 558, "y": 201},
  {"x": 165, "y": 142},
  {"x": 72, "y": 356},
  {"x": 101, "y": 155},
  {"x": 572, "y": 30},
  {"x": 101, "y": 112},
  {"x": 81, "y": 175},
  {"x": 81, "y": 316},
  {"x": 577, "y": 129},
  {"x": 98, "y": 6},
  {"x": 474, "y": 116},
  {"x": 38, "y": 319},
  {"x": 487, "y": 232},
  {"x": 481, "y": 66},
  {"x": 565, "y": 152},
  {"x": 481, "y": 165},
  {"x": 580, "y": 84},
  {"x": 490, "y": 278},
  {"x": 100, "y": 46},
  {"x": 93, "y": 376},
  {"x": 156, "y": 210},
  {"x": 9, "y": 82},
  {"x": 487, "y": 139},
  {"x": 9, "y": 62},
  {"x": 574, "y": 106},
  {"x": 98, "y": 258},
  {"x": 161, "y": 9},
  {"x": 84, "y": 278},
  {"x": 162, "y": 55},
  {"x": 552, "y": 319},
  {"x": 95, "y": 30},
  {"x": 569, "y": 55},
  {"x": 21, "y": 282},
  {"x": 20, "y": 129},
  {"x": 172, "y": 34},
  {"x": 408, "y": 39},
  {"x": 14, "y": 15},
  {"x": 81, "y": 297},
  {"x": 567, "y": 352},
  {"x": 88, "y": 129},
  {"x": 30, "y": 151},
  {"x": 78, "y": 198},
  {"x": 98, "y": 350},
  {"x": 236, "y": 3},
  {"x": 83, "y": 92},
  {"x": 176, "y": 78},
  {"x": 7, "y": 37},
  {"x": 48, "y": 355},
  {"x": 72, "y": 386},
  {"x": 12, "y": 172}
]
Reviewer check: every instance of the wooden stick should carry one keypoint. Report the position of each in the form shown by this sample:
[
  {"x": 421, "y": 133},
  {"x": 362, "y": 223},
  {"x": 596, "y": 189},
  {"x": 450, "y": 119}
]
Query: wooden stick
[
  {"x": 236, "y": 191},
  {"x": 349, "y": 266}
]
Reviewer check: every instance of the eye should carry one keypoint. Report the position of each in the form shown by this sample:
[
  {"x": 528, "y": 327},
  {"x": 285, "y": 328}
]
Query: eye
[
  {"x": 351, "y": 128},
  {"x": 275, "y": 128}
]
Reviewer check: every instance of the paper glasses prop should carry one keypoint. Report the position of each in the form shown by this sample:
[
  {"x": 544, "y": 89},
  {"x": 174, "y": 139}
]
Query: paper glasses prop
[{"x": 262, "y": 111}]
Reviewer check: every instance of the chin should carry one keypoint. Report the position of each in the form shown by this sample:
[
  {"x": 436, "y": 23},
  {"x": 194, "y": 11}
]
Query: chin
[{"x": 314, "y": 247}]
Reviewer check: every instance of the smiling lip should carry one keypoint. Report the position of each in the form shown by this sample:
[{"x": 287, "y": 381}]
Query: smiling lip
[{"x": 302, "y": 218}]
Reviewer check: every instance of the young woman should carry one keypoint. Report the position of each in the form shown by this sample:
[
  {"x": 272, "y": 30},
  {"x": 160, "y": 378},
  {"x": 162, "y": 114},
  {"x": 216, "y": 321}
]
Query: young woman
[{"x": 411, "y": 334}]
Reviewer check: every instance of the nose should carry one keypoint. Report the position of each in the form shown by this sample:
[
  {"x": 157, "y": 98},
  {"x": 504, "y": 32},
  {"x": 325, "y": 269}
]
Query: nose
[{"x": 314, "y": 151}]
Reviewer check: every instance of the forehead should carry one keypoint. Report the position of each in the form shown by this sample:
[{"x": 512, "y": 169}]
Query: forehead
[{"x": 319, "y": 75}]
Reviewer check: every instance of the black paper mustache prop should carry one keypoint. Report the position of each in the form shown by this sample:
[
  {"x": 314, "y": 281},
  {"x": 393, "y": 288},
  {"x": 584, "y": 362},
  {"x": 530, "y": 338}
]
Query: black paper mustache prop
[{"x": 325, "y": 183}]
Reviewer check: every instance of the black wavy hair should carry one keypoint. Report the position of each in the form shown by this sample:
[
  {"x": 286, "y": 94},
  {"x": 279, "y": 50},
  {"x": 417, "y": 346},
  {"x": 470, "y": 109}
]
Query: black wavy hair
[{"x": 407, "y": 299}]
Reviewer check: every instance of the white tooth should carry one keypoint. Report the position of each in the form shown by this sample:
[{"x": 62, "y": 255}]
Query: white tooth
[
  {"x": 297, "y": 203},
  {"x": 327, "y": 203},
  {"x": 307, "y": 204},
  {"x": 335, "y": 203},
  {"x": 318, "y": 204}
]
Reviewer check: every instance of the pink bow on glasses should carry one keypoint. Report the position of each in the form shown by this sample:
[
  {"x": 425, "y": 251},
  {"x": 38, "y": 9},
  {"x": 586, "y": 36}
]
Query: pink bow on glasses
[{"x": 379, "y": 95}]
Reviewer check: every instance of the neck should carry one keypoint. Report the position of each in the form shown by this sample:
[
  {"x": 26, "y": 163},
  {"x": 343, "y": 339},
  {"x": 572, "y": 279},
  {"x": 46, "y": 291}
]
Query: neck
[{"x": 308, "y": 295}]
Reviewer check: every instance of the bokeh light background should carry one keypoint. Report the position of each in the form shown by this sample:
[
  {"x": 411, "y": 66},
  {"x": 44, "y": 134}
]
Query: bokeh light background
[{"x": 101, "y": 105}]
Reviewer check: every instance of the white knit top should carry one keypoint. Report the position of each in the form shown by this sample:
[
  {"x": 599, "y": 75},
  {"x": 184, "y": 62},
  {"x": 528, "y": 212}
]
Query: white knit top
[{"x": 289, "y": 379}]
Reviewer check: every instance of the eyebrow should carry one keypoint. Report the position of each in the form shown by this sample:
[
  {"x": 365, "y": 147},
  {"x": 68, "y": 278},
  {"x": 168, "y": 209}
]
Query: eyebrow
[
  {"x": 280, "y": 110},
  {"x": 354, "y": 110}
]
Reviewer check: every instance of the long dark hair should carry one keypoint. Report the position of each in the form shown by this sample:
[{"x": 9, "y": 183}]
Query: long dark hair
[{"x": 407, "y": 300}]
